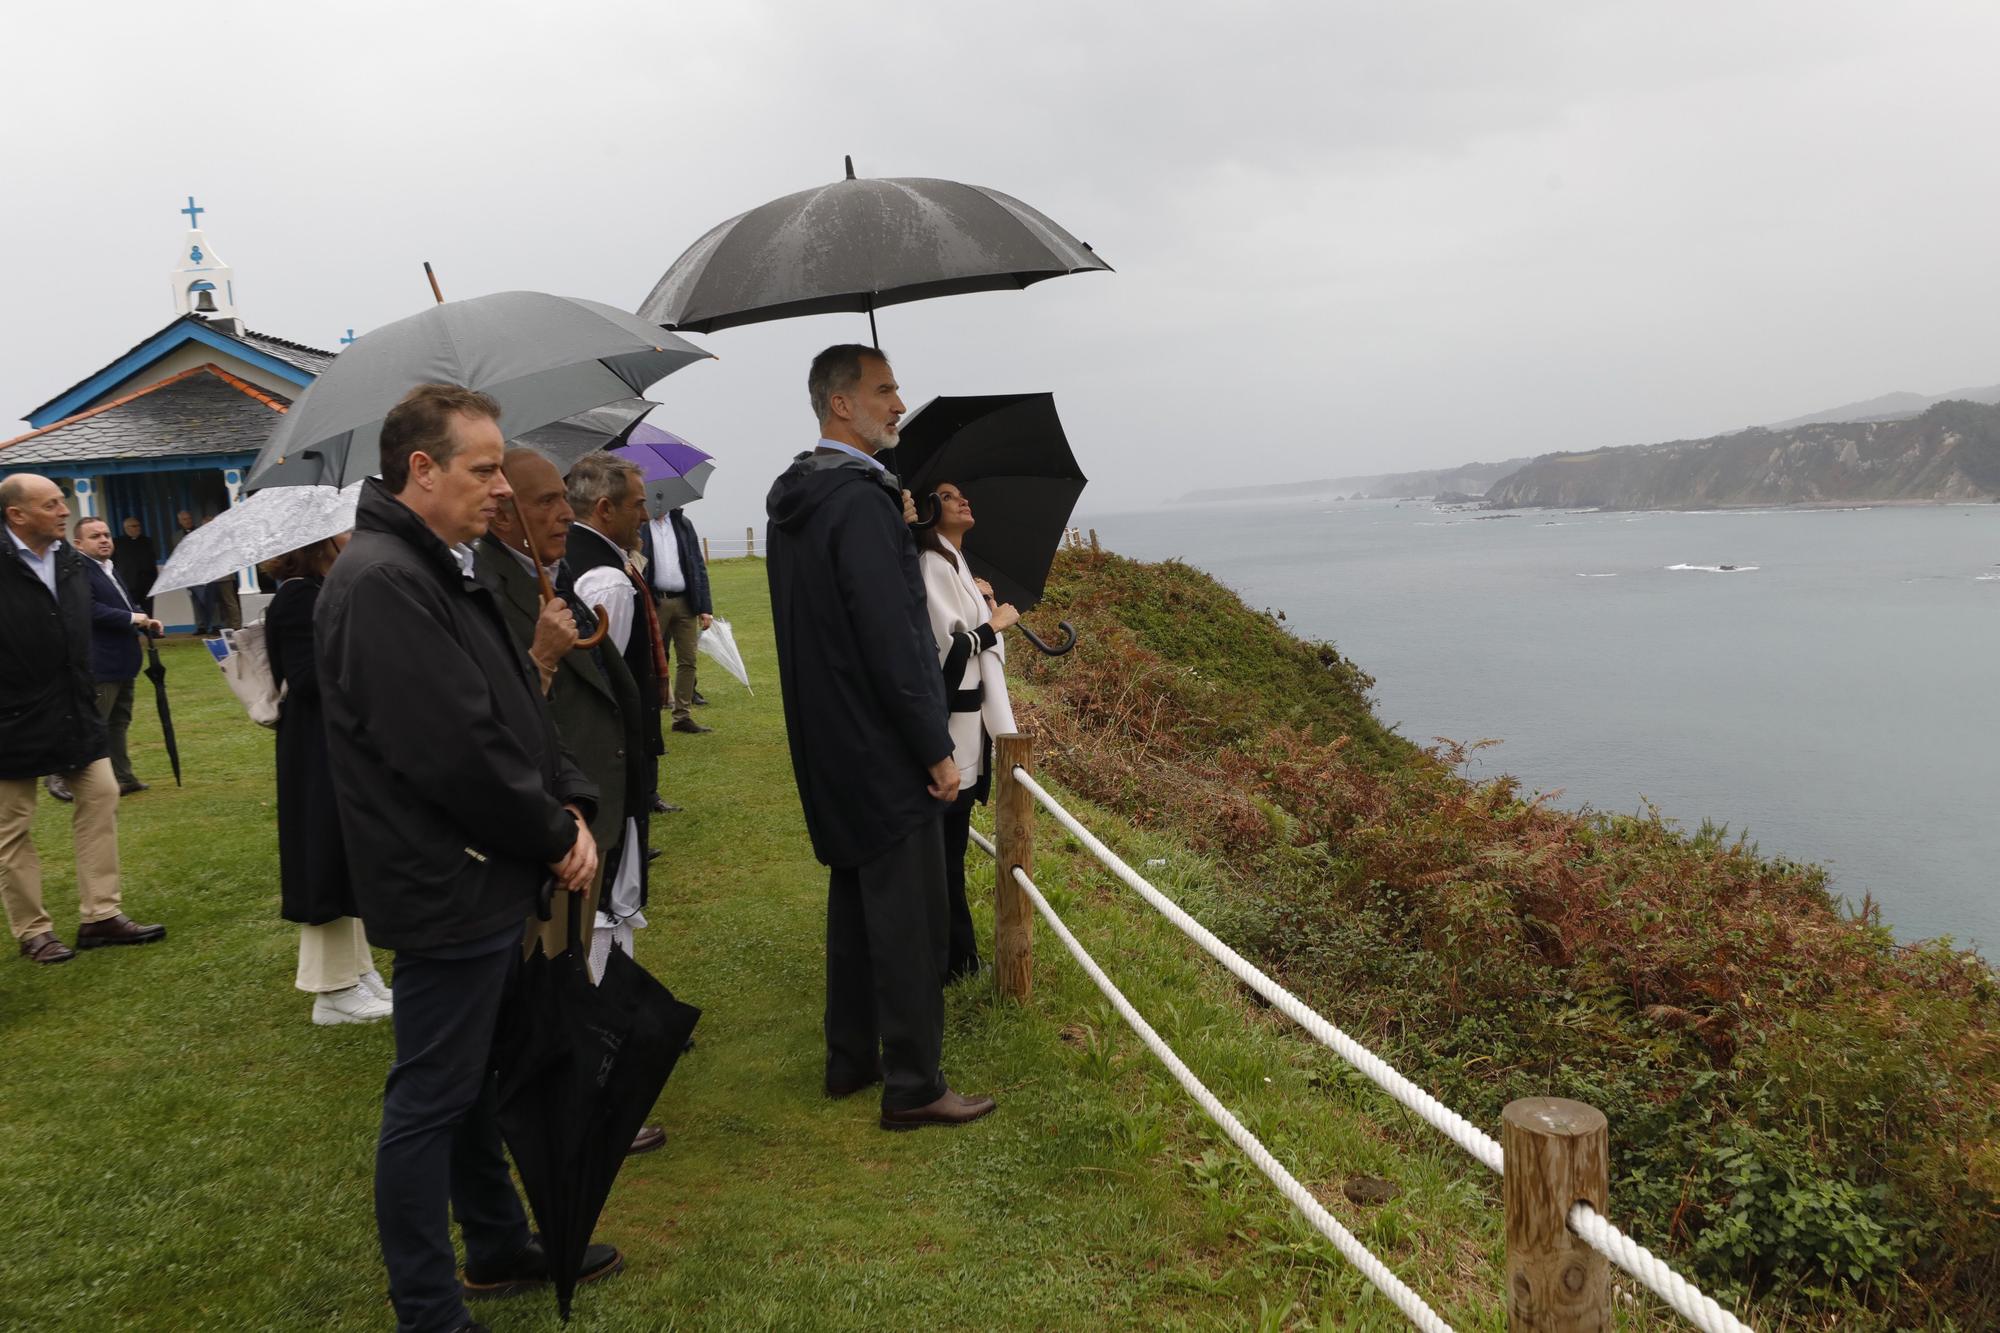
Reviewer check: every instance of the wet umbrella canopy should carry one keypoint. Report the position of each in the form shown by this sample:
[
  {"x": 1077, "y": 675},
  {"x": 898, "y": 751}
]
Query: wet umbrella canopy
[
  {"x": 543, "y": 358},
  {"x": 580, "y": 1067},
  {"x": 676, "y": 472},
  {"x": 859, "y": 245},
  {"x": 1007, "y": 452}
]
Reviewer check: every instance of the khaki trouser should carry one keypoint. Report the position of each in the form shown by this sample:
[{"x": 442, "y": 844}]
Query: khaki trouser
[
  {"x": 680, "y": 628},
  {"x": 333, "y": 955},
  {"x": 94, "y": 830}
]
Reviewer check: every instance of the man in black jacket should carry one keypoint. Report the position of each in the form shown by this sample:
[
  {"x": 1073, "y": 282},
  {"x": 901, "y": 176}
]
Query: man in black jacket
[
  {"x": 865, "y": 716},
  {"x": 457, "y": 800},
  {"x": 49, "y": 724},
  {"x": 137, "y": 562},
  {"x": 118, "y": 625}
]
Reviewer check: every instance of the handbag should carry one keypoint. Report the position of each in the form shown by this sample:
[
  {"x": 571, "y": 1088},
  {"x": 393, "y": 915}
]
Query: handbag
[{"x": 245, "y": 660}]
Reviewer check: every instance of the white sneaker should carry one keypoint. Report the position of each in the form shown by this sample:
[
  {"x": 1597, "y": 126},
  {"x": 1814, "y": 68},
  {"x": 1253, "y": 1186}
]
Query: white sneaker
[
  {"x": 371, "y": 981},
  {"x": 353, "y": 1005}
]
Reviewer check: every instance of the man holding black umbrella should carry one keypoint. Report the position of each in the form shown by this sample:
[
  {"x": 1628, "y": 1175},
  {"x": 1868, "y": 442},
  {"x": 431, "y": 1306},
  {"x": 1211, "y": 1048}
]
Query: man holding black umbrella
[
  {"x": 865, "y": 715},
  {"x": 458, "y": 802}
]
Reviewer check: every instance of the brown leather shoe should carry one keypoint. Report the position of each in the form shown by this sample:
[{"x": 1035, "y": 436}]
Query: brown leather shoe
[
  {"x": 46, "y": 948},
  {"x": 646, "y": 1140},
  {"x": 119, "y": 929},
  {"x": 950, "y": 1109}
]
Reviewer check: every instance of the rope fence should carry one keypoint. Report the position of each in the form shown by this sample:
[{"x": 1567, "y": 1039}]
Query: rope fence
[{"x": 1563, "y": 1145}]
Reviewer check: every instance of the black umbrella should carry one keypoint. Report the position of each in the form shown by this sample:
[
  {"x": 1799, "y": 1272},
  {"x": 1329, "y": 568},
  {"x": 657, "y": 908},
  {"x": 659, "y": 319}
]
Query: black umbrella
[
  {"x": 1008, "y": 454},
  {"x": 860, "y": 245},
  {"x": 580, "y": 1067},
  {"x": 156, "y": 671}
]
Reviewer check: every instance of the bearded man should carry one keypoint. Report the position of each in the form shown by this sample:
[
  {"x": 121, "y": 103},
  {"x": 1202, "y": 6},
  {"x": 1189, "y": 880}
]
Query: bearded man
[{"x": 871, "y": 750}]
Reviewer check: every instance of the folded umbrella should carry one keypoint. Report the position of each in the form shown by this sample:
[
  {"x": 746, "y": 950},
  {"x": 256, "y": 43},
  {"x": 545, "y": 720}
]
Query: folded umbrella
[
  {"x": 859, "y": 245},
  {"x": 262, "y": 527},
  {"x": 1009, "y": 455},
  {"x": 156, "y": 671},
  {"x": 580, "y": 1067},
  {"x": 542, "y": 357},
  {"x": 676, "y": 472},
  {"x": 719, "y": 642}
]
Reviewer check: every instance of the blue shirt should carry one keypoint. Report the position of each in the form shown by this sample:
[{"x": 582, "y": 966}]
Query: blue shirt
[
  {"x": 44, "y": 565},
  {"x": 869, "y": 459}
]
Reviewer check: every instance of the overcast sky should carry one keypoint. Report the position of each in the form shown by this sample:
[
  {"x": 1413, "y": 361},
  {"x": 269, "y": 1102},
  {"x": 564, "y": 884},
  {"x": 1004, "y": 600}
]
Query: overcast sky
[{"x": 1349, "y": 237}]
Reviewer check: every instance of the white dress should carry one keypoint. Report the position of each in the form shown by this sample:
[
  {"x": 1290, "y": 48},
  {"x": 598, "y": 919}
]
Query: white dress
[{"x": 957, "y": 611}]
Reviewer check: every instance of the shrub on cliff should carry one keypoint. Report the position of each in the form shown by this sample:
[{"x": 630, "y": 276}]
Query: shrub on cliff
[{"x": 1800, "y": 1107}]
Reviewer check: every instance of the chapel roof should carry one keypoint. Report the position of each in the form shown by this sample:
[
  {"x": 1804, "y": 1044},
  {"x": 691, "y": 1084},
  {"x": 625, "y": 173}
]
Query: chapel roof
[{"x": 199, "y": 412}]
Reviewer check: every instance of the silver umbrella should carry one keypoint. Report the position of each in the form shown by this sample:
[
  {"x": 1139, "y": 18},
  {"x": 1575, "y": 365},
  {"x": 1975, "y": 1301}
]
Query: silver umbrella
[
  {"x": 563, "y": 442},
  {"x": 542, "y": 357},
  {"x": 263, "y": 527},
  {"x": 858, "y": 245}
]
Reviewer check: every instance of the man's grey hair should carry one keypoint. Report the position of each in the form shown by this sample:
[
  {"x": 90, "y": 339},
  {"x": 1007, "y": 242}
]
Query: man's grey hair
[
  {"x": 837, "y": 370},
  {"x": 600, "y": 476},
  {"x": 14, "y": 489}
]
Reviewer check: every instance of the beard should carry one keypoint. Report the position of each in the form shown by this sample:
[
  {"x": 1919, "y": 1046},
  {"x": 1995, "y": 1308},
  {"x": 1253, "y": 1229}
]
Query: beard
[{"x": 880, "y": 435}]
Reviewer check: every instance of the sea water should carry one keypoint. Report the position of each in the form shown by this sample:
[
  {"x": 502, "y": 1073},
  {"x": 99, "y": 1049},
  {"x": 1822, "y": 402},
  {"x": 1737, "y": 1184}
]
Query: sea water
[{"x": 1822, "y": 678}]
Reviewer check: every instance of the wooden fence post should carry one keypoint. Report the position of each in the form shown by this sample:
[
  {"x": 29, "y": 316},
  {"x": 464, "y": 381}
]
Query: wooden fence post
[
  {"x": 1093, "y": 540},
  {"x": 1014, "y": 843},
  {"x": 749, "y": 541},
  {"x": 704, "y": 551},
  {"x": 1558, "y": 1153}
]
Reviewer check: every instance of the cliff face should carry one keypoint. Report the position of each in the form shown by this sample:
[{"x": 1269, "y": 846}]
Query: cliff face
[{"x": 1950, "y": 452}]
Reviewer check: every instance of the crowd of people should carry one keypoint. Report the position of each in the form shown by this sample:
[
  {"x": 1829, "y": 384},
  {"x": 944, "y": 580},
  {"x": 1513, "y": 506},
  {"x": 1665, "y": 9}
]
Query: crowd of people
[{"x": 477, "y": 684}]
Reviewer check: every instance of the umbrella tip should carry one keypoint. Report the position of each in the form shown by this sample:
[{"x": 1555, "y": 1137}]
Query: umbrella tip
[{"x": 849, "y": 158}]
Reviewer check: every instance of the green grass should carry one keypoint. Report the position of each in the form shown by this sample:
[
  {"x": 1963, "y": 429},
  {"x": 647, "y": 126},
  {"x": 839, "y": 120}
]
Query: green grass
[{"x": 185, "y": 1151}]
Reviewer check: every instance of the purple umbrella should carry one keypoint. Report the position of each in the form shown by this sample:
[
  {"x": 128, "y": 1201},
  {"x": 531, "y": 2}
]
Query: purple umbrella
[{"x": 676, "y": 472}]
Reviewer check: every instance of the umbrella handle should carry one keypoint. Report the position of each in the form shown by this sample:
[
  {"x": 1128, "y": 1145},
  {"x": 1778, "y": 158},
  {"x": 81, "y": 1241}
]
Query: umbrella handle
[
  {"x": 1069, "y": 638},
  {"x": 928, "y": 520},
  {"x": 597, "y": 637}
]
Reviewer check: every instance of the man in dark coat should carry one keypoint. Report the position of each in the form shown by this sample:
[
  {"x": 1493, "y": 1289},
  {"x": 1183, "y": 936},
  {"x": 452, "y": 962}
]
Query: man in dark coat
[
  {"x": 117, "y": 624},
  {"x": 138, "y": 562},
  {"x": 679, "y": 580},
  {"x": 591, "y": 693},
  {"x": 201, "y": 597},
  {"x": 865, "y": 716},
  {"x": 49, "y": 724},
  {"x": 457, "y": 801}
]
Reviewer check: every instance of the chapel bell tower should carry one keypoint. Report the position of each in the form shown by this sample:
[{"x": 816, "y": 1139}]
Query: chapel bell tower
[{"x": 203, "y": 284}]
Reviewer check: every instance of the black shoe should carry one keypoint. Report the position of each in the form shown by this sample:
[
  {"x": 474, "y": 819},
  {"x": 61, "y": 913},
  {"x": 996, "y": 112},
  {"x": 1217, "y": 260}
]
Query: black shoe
[
  {"x": 132, "y": 788},
  {"x": 698, "y": 701},
  {"x": 691, "y": 727},
  {"x": 58, "y": 788},
  {"x": 530, "y": 1269},
  {"x": 663, "y": 806}
]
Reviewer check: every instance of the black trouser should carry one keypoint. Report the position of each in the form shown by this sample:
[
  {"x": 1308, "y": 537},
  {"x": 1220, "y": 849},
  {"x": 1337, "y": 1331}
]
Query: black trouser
[
  {"x": 114, "y": 704},
  {"x": 886, "y": 939},
  {"x": 962, "y": 958},
  {"x": 441, "y": 1136}
]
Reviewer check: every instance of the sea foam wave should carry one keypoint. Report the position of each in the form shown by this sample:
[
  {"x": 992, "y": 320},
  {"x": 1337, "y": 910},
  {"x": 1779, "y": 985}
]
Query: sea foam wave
[{"x": 1716, "y": 569}]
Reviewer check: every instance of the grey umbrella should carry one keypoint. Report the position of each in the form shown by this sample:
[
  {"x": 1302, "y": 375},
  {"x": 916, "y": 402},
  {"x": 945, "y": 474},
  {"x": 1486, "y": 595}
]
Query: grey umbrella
[
  {"x": 543, "y": 357},
  {"x": 858, "y": 245}
]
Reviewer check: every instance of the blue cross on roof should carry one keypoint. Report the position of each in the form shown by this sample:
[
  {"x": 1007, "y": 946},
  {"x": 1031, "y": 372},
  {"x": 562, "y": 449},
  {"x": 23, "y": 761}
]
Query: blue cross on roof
[
  {"x": 349, "y": 338},
  {"x": 193, "y": 213}
]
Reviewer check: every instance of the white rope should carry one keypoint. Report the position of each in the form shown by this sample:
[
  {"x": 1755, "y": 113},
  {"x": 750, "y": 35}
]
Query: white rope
[
  {"x": 1441, "y": 1117},
  {"x": 1377, "y": 1272},
  {"x": 1698, "y": 1309},
  {"x": 1593, "y": 1229},
  {"x": 985, "y": 844}
]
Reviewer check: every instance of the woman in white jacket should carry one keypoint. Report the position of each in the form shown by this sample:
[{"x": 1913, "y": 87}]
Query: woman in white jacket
[{"x": 967, "y": 626}]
